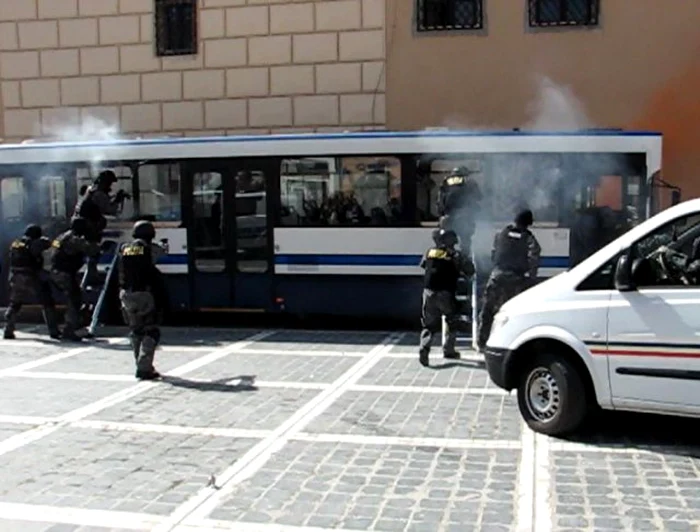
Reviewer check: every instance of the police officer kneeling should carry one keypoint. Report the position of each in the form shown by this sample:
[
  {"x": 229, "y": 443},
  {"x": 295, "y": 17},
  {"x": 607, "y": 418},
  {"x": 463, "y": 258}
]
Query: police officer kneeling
[
  {"x": 28, "y": 280},
  {"x": 138, "y": 281},
  {"x": 443, "y": 265},
  {"x": 70, "y": 250},
  {"x": 516, "y": 256}
]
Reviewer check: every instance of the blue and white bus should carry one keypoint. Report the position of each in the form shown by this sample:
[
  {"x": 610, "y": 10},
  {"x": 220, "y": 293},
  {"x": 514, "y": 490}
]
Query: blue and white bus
[{"x": 331, "y": 224}]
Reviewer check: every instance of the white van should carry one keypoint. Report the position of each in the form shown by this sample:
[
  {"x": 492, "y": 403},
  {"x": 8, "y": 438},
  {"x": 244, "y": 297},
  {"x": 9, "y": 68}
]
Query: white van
[{"x": 621, "y": 330}]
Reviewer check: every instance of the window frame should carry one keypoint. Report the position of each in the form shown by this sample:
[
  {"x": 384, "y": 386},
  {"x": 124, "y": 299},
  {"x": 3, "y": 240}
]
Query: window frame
[
  {"x": 421, "y": 7},
  {"x": 591, "y": 20},
  {"x": 162, "y": 30}
]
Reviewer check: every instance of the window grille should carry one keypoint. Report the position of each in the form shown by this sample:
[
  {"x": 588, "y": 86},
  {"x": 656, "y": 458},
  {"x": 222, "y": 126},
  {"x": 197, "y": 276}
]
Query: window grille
[
  {"x": 449, "y": 15},
  {"x": 176, "y": 27},
  {"x": 549, "y": 13}
]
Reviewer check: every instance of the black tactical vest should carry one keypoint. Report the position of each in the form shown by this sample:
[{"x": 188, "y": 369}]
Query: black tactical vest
[
  {"x": 441, "y": 272},
  {"x": 64, "y": 258},
  {"x": 511, "y": 253},
  {"x": 136, "y": 267},
  {"x": 21, "y": 257},
  {"x": 88, "y": 209}
]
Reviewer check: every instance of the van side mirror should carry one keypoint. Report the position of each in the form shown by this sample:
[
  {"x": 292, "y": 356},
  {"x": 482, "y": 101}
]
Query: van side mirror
[
  {"x": 675, "y": 197},
  {"x": 623, "y": 274}
]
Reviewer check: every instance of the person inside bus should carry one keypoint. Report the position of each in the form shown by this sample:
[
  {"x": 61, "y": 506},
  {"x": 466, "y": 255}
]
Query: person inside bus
[{"x": 29, "y": 280}]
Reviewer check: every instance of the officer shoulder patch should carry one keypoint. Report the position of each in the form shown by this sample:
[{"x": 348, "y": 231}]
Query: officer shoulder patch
[
  {"x": 18, "y": 244},
  {"x": 133, "y": 250},
  {"x": 56, "y": 243},
  {"x": 436, "y": 253},
  {"x": 454, "y": 180},
  {"x": 513, "y": 234}
]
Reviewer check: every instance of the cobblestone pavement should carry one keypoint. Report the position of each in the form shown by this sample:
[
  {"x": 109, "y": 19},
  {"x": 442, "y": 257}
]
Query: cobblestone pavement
[{"x": 289, "y": 431}]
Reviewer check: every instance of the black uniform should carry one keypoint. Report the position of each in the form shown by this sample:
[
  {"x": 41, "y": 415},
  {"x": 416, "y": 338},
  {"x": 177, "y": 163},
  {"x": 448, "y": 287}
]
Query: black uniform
[
  {"x": 516, "y": 255},
  {"x": 29, "y": 281},
  {"x": 138, "y": 280},
  {"x": 70, "y": 251},
  {"x": 93, "y": 206},
  {"x": 443, "y": 266},
  {"x": 459, "y": 197}
]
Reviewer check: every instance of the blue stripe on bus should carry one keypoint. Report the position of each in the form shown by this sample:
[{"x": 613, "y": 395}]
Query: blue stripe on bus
[
  {"x": 333, "y": 136},
  {"x": 345, "y": 260},
  {"x": 383, "y": 260}
]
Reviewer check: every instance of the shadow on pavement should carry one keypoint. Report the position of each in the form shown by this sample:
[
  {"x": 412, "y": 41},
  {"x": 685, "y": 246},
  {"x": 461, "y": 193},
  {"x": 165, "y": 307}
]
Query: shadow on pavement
[
  {"x": 470, "y": 364},
  {"x": 669, "y": 435},
  {"x": 246, "y": 384}
]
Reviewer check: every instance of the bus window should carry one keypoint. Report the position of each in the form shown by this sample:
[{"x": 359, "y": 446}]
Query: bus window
[
  {"x": 51, "y": 208},
  {"x": 341, "y": 191},
  {"x": 159, "y": 192},
  {"x": 208, "y": 218},
  {"x": 431, "y": 170},
  {"x": 86, "y": 176},
  {"x": 251, "y": 222},
  {"x": 12, "y": 194}
]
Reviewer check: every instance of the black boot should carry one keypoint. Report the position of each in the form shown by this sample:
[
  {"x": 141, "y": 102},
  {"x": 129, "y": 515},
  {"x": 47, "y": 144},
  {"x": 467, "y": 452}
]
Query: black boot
[{"x": 424, "y": 357}]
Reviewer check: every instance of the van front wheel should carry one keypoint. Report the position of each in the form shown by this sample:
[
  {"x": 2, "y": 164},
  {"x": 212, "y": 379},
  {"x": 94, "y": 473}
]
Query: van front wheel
[{"x": 552, "y": 396}]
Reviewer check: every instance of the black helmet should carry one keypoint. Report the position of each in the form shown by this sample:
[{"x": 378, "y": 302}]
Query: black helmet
[
  {"x": 524, "y": 218},
  {"x": 447, "y": 238},
  {"x": 106, "y": 177},
  {"x": 461, "y": 171},
  {"x": 33, "y": 231},
  {"x": 144, "y": 230},
  {"x": 79, "y": 226}
]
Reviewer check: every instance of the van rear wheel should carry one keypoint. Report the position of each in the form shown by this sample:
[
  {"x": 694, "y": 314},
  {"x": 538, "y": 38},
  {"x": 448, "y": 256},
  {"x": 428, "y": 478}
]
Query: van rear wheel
[{"x": 551, "y": 395}]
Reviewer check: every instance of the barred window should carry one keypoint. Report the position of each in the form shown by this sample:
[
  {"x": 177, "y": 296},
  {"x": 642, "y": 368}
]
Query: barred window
[
  {"x": 176, "y": 27},
  {"x": 548, "y": 13},
  {"x": 446, "y": 15}
]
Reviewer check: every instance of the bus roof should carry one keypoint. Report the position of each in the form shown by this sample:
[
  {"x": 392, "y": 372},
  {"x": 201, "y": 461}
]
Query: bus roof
[{"x": 29, "y": 144}]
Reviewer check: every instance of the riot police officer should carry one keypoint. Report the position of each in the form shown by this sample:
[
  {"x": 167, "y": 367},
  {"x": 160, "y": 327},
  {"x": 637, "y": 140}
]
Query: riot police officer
[
  {"x": 94, "y": 205},
  {"x": 515, "y": 255},
  {"x": 69, "y": 252},
  {"x": 459, "y": 197},
  {"x": 138, "y": 282},
  {"x": 443, "y": 265},
  {"x": 28, "y": 280}
]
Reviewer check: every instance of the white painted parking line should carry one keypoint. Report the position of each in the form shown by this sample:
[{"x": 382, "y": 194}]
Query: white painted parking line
[
  {"x": 27, "y": 437},
  {"x": 171, "y": 429},
  {"x": 525, "y": 497},
  {"x": 621, "y": 448},
  {"x": 56, "y": 375},
  {"x": 202, "y": 504},
  {"x": 300, "y": 353},
  {"x": 390, "y": 388},
  {"x": 543, "y": 485},
  {"x": 50, "y": 359},
  {"x": 361, "y": 439},
  {"x": 76, "y": 516},
  {"x": 212, "y": 525},
  {"x": 468, "y": 357}
]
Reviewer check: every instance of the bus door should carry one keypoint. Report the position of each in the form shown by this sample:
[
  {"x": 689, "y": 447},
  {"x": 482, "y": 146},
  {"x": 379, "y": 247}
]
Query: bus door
[
  {"x": 229, "y": 234},
  {"x": 12, "y": 220}
]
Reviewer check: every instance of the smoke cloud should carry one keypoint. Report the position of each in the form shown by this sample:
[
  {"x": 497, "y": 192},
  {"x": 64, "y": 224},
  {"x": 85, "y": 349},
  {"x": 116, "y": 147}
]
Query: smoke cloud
[{"x": 513, "y": 181}]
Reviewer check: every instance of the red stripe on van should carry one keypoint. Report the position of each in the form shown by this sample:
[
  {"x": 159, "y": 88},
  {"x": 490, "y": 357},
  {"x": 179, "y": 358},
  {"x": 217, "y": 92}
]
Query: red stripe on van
[{"x": 632, "y": 353}]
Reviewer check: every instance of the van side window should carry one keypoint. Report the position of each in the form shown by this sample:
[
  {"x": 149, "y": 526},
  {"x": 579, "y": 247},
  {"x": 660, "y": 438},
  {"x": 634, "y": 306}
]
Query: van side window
[
  {"x": 603, "y": 278},
  {"x": 670, "y": 255}
]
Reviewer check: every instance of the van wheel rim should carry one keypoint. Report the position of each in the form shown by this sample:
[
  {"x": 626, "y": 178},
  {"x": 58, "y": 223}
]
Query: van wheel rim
[{"x": 542, "y": 395}]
